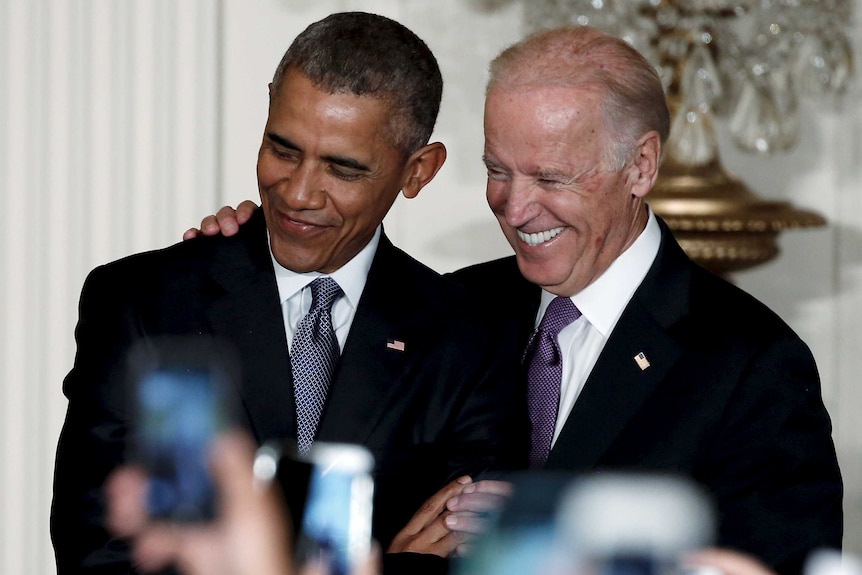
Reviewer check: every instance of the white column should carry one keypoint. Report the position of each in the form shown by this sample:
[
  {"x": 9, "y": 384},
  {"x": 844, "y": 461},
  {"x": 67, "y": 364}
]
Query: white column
[{"x": 109, "y": 127}]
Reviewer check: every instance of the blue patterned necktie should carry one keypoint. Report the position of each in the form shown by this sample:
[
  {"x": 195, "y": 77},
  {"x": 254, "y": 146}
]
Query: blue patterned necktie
[
  {"x": 313, "y": 355},
  {"x": 545, "y": 375}
]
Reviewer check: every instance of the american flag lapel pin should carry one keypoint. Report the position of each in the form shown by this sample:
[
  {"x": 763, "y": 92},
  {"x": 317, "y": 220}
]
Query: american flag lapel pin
[
  {"x": 642, "y": 361},
  {"x": 395, "y": 344}
]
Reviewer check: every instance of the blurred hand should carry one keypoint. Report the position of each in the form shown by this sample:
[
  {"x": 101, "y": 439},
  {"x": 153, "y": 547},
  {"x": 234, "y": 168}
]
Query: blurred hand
[
  {"x": 226, "y": 221},
  {"x": 450, "y": 520},
  {"x": 250, "y": 537},
  {"x": 470, "y": 510},
  {"x": 726, "y": 562}
]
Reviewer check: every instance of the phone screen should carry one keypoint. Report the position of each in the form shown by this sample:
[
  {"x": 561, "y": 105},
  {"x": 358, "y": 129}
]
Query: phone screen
[
  {"x": 179, "y": 392},
  {"x": 329, "y": 494}
]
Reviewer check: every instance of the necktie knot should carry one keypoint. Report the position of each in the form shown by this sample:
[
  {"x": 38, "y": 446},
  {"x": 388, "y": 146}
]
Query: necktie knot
[
  {"x": 324, "y": 291},
  {"x": 560, "y": 313}
]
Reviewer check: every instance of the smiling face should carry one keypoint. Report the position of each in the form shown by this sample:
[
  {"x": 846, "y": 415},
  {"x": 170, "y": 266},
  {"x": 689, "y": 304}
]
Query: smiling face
[
  {"x": 327, "y": 173},
  {"x": 566, "y": 215}
]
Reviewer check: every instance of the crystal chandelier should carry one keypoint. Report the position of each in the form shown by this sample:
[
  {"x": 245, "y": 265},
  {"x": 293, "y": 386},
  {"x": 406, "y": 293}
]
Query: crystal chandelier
[{"x": 749, "y": 61}]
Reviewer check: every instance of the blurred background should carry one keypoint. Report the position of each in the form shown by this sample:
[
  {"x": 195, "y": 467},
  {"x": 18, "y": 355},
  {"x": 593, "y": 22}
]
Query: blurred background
[{"x": 123, "y": 123}]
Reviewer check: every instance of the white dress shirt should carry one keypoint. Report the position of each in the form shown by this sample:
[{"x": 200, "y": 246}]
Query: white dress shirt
[
  {"x": 295, "y": 295},
  {"x": 601, "y": 303}
]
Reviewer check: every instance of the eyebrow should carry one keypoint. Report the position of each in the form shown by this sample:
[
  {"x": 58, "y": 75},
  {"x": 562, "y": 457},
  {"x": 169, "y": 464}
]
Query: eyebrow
[
  {"x": 337, "y": 160},
  {"x": 491, "y": 163},
  {"x": 555, "y": 175}
]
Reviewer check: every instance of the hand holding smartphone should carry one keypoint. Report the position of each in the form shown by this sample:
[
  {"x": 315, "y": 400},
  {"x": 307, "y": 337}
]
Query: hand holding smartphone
[
  {"x": 179, "y": 387},
  {"x": 329, "y": 493}
]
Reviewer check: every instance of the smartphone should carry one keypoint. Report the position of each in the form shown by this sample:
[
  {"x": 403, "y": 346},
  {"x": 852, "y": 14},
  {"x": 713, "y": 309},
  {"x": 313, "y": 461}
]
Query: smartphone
[
  {"x": 634, "y": 523},
  {"x": 179, "y": 389},
  {"x": 328, "y": 492},
  {"x": 520, "y": 535}
]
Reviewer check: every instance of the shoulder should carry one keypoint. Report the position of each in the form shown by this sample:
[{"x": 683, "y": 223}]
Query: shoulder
[
  {"x": 482, "y": 275},
  {"x": 399, "y": 286},
  {"x": 419, "y": 284},
  {"x": 727, "y": 307},
  {"x": 684, "y": 296},
  {"x": 185, "y": 264}
]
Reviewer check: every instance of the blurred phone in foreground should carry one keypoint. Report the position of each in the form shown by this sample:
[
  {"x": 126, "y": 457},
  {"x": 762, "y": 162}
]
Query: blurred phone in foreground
[
  {"x": 179, "y": 388},
  {"x": 521, "y": 534},
  {"x": 329, "y": 493},
  {"x": 601, "y": 524},
  {"x": 634, "y": 523}
]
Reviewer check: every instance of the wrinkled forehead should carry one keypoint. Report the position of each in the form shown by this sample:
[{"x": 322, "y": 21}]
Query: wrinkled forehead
[{"x": 546, "y": 106}]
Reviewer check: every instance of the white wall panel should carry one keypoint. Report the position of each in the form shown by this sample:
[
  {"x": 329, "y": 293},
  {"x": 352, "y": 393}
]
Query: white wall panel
[
  {"x": 122, "y": 123},
  {"x": 108, "y": 145}
]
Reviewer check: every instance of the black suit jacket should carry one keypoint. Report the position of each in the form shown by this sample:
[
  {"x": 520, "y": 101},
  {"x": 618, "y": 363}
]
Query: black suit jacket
[
  {"x": 731, "y": 399},
  {"x": 448, "y": 404}
]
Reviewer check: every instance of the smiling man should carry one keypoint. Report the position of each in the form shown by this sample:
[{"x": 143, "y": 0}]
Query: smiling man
[
  {"x": 662, "y": 366},
  {"x": 415, "y": 376},
  {"x": 637, "y": 359}
]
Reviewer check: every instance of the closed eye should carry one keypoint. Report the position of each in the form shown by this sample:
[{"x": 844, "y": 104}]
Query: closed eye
[{"x": 346, "y": 174}]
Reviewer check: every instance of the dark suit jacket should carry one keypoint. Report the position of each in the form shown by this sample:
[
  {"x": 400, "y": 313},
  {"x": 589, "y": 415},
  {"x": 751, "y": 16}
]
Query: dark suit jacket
[
  {"x": 731, "y": 399},
  {"x": 448, "y": 404}
]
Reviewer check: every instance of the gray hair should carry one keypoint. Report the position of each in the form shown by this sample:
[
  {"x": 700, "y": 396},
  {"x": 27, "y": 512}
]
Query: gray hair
[{"x": 634, "y": 101}]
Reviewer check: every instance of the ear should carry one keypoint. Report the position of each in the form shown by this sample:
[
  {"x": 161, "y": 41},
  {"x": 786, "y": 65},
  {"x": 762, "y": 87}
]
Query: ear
[
  {"x": 644, "y": 168},
  {"x": 421, "y": 168}
]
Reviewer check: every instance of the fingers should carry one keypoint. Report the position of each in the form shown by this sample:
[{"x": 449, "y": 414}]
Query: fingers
[
  {"x": 481, "y": 497},
  {"x": 254, "y": 519},
  {"x": 493, "y": 486},
  {"x": 467, "y": 523},
  {"x": 244, "y": 211},
  {"x": 226, "y": 221},
  {"x": 434, "y": 506},
  {"x": 157, "y": 548},
  {"x": 727, "y": 562},
  {"x": 426, "y": 532},
  {"x": 435, "y": 538},
  {"x": 126, "y": 490},
  {"x": 232, "y": 461},
  {"x": 471, "y": 509}
]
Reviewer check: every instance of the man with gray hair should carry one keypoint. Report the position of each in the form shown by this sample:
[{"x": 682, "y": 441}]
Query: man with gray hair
[{"x": 660, "y": 365}]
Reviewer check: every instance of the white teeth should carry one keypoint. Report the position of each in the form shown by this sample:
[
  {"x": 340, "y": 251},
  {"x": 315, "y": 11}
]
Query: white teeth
[{"x": 538, "y": 237}]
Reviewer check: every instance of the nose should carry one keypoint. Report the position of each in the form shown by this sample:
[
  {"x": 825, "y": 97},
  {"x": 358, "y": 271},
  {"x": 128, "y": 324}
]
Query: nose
[
  {"x": 304, "y": 188},
  {"x": 514, "y": 201}
]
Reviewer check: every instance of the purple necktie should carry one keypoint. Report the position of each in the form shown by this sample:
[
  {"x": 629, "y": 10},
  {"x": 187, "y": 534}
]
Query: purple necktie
[
  {"x": 313, "y": 355},
  {"x": 545, "y": 376}
]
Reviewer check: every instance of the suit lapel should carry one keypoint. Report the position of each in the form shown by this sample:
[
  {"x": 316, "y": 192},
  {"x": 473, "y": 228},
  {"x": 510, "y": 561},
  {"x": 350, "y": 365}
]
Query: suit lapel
[
  {"x": 248, "y": 314},
  {"x": 615, "y": 389},
  {"x": 370, "y": 370},
  {"x": 618, "y": 386}
]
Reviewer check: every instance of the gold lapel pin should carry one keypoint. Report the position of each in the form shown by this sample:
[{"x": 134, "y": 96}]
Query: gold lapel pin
[{"x": 642, "y": 361}]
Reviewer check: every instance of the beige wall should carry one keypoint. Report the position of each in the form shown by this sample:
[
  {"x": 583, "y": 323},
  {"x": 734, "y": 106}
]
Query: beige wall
[{"x": 122, "y": 123}]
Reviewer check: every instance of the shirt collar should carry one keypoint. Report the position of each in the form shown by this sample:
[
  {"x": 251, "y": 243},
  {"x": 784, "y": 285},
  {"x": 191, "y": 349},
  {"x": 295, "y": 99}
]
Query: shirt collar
[
  {"x": 602, "y": 302},
  {"x": 350, "y": 277}
]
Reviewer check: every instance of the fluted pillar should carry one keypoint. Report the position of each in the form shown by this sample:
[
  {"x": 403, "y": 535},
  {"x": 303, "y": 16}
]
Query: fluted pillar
[{"x": 109, "y": 144}]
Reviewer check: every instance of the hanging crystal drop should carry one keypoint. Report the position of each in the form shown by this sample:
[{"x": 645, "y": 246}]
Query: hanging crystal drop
[
  {"x": 783, "y": 95},
  {"x": 810, "y": 66},
  {"x": 841, "y": 61},
  {"x": 701, "y": 85},
  {"x": 754, "y": 122},
  {"x": 692, "y": 139}
]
